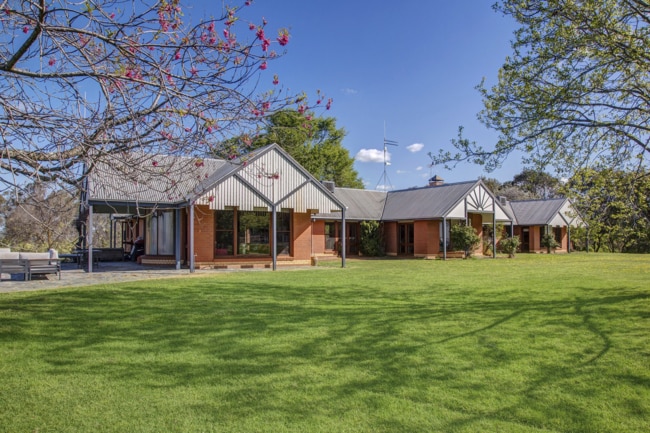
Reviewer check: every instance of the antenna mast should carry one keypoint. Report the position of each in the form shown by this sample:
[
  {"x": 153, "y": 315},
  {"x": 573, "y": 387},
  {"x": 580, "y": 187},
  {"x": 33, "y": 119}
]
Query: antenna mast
[{"x": 384, "y": 181}]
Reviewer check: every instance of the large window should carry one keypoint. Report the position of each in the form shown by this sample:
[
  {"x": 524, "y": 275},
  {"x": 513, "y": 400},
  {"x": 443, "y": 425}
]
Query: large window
[
  {"x": 223, "y": 233},
  {"x": 244, "y": 233},
  {"x": 161, "y": 233},
  {"x": 283, "y": 233},
  {"x": 253, "y": 233},
  {"x": 557, "y": 232}
]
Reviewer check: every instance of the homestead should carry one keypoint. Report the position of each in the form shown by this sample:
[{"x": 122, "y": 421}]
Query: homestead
[{"x": 265, "y": 209}]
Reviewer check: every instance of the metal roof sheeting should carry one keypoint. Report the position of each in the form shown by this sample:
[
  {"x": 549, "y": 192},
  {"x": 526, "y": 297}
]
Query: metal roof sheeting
[
  {"x": 263, "y": 178},
  {"x": 433, "y": 202},
  {"x": 362, "y": 205}
]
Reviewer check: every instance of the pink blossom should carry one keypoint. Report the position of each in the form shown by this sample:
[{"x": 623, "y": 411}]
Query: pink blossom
[
  {"x": 248, "y": 2},
  {"x": 276, "y": 80},
  {"x": 177, "y": 56},
  {"x": 211, "y": 198},
  {"x": 112, "y": 16},
  {"x": 251, "y": 26},
  {"x": 155, "y": 163},
  {"x": 260, "y": 34},
  {"x": 263, "y": 66},
  {"x": 283, "y": 39},
  {"x": 194, "y": 71},
  {"x": 26, "y": 29},
  {"x": 329, "y": 103},
  {"x": 52, "y": 61}
]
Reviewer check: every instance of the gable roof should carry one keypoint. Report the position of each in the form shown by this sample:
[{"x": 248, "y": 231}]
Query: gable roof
[
  {"x": 250, "y": 182},
  {"x": 432, "y": 202},
  {"x": 361, "y": 204},
  {"x": 558, "y": 211}
]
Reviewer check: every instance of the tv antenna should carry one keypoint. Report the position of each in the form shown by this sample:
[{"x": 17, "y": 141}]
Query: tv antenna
[{"x": 384, "y": 181}]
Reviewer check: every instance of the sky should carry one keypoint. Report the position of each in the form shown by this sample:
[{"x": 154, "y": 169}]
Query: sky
[{"x": 406, "y": 71}]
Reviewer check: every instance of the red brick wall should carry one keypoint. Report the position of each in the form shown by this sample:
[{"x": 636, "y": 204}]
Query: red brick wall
[
  {"x": 426, "y": 238},
  {"x": 390, "y": 234},
  {"x": 302, "y": 242},
  {"x": 318, "y": 235},
  {"x": 203, "y": 234}
]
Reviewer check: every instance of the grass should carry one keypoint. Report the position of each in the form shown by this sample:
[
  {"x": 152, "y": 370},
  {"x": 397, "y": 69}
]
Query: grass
[{"x": 556, "y": 343}]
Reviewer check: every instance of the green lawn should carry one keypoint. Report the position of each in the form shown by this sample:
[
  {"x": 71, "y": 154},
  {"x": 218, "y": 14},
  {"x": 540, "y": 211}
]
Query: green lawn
[{"x": 540, "y": 343}]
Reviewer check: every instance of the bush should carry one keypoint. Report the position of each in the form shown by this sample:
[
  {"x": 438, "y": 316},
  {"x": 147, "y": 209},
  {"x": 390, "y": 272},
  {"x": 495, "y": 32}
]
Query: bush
[
  {"x": 510, "y": 245},
  {"x": 464, "y": 238},
  {"x": 549, "y": 242},
  {"x": 371, "y": 243}
]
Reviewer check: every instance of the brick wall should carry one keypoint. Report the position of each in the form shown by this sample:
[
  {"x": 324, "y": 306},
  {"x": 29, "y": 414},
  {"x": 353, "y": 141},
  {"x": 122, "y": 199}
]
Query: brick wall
[
  {"x": 318, "y": 234},
  {"x": 390, "y": 235},
  {"x": 203, "y": 234},
  {"x": 302, "y": 241}
]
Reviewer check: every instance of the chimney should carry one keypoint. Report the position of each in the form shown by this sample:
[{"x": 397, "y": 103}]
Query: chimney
[
  {"x": 436, "y": 181},
  {"x": 329, "y": 184}
]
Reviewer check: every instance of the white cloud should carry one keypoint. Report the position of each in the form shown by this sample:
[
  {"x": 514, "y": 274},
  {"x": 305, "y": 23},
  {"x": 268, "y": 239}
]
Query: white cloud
[
  {"x": 401, "y": 171},
  {"x": 415, "y": 147},
  {"x": 420, "y": 168},
  {"x": 371, "y": 155},
  {"x": 349, "y": 91}
]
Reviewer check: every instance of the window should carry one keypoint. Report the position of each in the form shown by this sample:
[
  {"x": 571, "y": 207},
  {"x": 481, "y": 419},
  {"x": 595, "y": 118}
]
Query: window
[
  {"x": 248, "y": 233},
  {"x": 330, "y": 235},
  {"x": 253, "y": 233},
  {"x": 223, "y": 232},
  {"x": 557, "y": 231}
]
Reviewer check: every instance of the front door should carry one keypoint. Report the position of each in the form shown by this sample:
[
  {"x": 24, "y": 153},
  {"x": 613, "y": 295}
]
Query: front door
[
  {"x": 405, "y": 239},
  {"x": 525, "y": 239}
]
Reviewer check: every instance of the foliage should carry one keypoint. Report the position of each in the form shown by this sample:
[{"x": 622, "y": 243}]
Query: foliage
[
  {"x": 510, "y": 245},
  {"x": 614, "y": 203},
  {"x": 575, "y": 92},
  {"x": 372, "y": 242},
  {"x": 90, "y": 82},
  {"x": 464, "y": 238},
  {"x": 381, "y": 346},
  {"x": 527, "y": 185},
  {"x": 314, "y": 142},
  {"x": 548, "y": 241}
]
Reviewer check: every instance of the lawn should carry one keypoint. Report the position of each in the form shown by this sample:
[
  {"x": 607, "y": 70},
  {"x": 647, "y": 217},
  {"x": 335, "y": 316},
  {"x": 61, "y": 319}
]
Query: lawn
[{"x": 539, "y": 343}]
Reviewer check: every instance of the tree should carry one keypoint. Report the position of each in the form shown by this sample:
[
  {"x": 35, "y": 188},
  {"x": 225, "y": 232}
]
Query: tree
[
  {"x": 576, "y": 91},
  {"x": 527, "y": 185},
  {"x": 40, "y": 219},
  {"x": 313, "y": 141},
  {"x": 84, "y": 82},
  {"x": 615, "y": 205}
]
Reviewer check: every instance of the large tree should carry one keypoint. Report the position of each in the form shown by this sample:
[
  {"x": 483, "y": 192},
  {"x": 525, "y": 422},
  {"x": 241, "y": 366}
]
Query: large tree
[
  {"x": 615, "y": 205},
  {"x": 576, "y": 90},
  {"x": 315, "y": 142},
  {"x": 95, "y": 80}
]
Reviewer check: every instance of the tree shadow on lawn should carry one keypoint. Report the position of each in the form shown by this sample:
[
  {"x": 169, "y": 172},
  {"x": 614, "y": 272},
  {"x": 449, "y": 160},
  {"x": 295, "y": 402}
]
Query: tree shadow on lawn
[{"x": 300, "y": 354}]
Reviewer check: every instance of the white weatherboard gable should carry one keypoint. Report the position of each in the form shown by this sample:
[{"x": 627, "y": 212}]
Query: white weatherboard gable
[{"x": 478, "y": 200}]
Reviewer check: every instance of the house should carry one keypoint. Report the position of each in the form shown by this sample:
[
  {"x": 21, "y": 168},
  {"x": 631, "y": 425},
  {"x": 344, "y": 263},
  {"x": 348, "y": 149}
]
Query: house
[
  {"x": 532, "y": 219},
  {"x": 265, "y": 209},
  {"x": 210, "y": 213},
  {"x": 416, "y": 222}
]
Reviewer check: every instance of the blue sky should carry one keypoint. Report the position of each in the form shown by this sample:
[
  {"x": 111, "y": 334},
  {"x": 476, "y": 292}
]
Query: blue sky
[{"x": 410, "y": 67}]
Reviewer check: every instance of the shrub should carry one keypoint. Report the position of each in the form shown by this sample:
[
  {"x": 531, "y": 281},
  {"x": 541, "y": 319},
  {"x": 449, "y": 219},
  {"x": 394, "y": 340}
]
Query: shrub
[
  {"x": 371, "y": 243},
  {"x": 548, "y": 241},
  {"x": 464, "y": 238},
  {"x": 510, "y": 245}
]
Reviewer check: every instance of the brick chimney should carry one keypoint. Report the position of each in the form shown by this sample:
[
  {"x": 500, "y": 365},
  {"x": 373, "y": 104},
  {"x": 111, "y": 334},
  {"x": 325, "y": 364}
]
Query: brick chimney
[{"x": 436, "y": 181}]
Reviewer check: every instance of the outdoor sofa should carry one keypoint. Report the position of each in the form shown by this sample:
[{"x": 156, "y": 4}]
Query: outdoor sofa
[{"x": 30, "y": 264}]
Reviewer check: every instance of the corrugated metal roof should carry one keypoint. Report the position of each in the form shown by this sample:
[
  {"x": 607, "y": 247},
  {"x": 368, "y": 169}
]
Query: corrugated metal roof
[
  {"x": 264, "y": 177},
  {"x": 362, "y": 205},
  {"x": 432, "y": 202},
  {"x": 146, "y": 178},
  {"x": 535, "y": 212}
]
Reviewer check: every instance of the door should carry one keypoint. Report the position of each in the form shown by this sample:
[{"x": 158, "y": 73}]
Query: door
[
  {"x": 525, "y": 239},
  {"x": 405, "y": 239}
]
